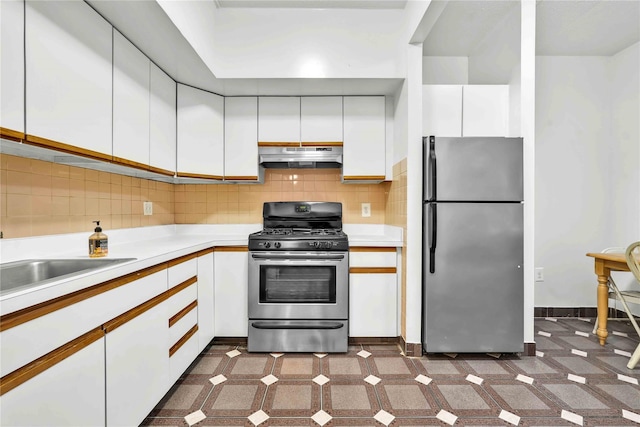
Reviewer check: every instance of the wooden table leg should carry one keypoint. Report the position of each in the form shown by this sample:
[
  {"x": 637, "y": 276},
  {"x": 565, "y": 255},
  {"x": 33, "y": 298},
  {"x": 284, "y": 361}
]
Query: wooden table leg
[{"x": 603, "y": 307}]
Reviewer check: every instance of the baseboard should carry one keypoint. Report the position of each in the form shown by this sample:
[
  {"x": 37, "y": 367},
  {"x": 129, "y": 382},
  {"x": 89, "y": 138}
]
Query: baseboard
[{"x": 591, "y": 312}]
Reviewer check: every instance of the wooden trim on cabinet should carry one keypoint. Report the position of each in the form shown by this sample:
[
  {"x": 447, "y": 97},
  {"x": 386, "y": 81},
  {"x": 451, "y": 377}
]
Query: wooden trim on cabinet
[
  {"x": 206, "y": 251},
  {"x": 66, "y": 148},
  {"x": 161, "y": 171},
  {"x": 130, "y": 163},
  {"x": 322, "y": 144},
  {"x": 198, "y": 175},
  {"x": 364, "y": 178},
  {"x": 277, "y": 144},
  {"x": 30, "y": 370},
  {"x": 179, "y": 315},
  {"x": 373, "y": 270},
  {"x": 372, "y": 249},
  {"x": 133, "y": 164},
  {"x": 191, "y": 332},
  {"x": 182, "y": 259},
  {"x": 8, "y": 321},
  {"x": 11, "y": 134},
  {"x": 125, "y": 317},
  {"x": 240, "y": 178},
  {"x": 231, "y": 249}
]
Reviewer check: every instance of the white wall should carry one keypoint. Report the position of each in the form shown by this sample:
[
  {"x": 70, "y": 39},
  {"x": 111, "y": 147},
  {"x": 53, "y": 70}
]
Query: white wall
[
  {"x": 331, "y": 43},
  {"x": 494, "y": 58},
  {"x": 586, "y": 126},
  {"x": 624, "y": 166},
  {"x": 445, "y": 70}
]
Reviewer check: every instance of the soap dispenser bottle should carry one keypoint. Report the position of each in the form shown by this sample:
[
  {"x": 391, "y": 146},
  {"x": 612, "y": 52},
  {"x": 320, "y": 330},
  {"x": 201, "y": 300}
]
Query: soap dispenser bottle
[{"x": 98, "y": 243}]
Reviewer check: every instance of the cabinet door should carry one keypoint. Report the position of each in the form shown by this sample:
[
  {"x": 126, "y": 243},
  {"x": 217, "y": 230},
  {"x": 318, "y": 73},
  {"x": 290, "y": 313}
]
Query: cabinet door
[
  {"x": 442, "y": 110},
  {"x": 162, "y": 121},
  {"x": 137, "y": 366},
  {"x": 231, "y": 276},
  {"x": 12, "y": 65},
  {"x": 200, "y": 149},
  {"x": 373, "y": 305},
  {"x": 485, "y": 110},
  {"x": 69, "y": 393},
  {"x": 130, "y": 102},
  {"x": 206, "y": 298},
  {"x": 321, "y": 119},
  {"x": 241, "y": 138},
  {"x": 279, "y": 119},
  {"x": 69, "y": 75},
  {"x": 364, "y": 155}
]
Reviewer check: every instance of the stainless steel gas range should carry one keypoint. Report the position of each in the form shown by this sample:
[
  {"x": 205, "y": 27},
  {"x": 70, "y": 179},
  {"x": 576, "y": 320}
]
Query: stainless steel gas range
[{"x": 299, "y": 279}]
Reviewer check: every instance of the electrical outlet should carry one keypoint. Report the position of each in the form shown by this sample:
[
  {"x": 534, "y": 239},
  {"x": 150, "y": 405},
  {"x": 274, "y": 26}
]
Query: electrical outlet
[
  {"x": 148, "y": 208},
  {"x": 539, "y": 274},
  {"x": 366, "y": 210}
]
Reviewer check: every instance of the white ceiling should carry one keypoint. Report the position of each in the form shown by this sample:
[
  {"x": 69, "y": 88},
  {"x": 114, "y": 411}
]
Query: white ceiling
[{"x": 564, "y": 27}]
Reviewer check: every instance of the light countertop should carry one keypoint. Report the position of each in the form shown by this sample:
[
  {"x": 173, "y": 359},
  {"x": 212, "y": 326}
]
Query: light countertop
[{"x": 149, "y": 246}]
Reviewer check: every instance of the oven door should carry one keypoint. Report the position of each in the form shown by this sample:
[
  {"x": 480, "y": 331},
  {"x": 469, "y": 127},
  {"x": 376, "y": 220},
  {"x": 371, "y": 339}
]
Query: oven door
[{"x": 298, "y": 285}]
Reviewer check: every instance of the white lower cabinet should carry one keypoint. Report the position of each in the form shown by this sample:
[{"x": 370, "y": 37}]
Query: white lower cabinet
[
  {"x": 69, "y": 393},
  {"x": 373, "y": 292},
  {"x": 183, "y": 326},
  {"x": 137, "y": 366},
  {"x": 231, "y": 278},
  {"x": 373, "y": 305},
  {"x": 206, "y": 298}
]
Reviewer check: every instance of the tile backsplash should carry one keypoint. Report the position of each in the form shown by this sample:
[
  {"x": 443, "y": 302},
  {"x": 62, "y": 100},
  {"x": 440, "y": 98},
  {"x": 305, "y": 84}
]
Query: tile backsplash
[
  {"x": 242, "y": 203},
  {"x": 40, "y": 198}
]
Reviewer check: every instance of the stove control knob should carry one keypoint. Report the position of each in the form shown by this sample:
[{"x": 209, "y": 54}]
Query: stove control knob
[
  {"x": 277, "y": 245},
  {"x": 267, "y": 245}
]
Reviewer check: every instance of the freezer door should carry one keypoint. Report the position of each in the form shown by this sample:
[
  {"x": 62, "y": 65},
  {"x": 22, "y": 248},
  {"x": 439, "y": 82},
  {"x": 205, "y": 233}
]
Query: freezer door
[
  {"x": 473, "y": 169},
  {"x": 473, "y": 300}
]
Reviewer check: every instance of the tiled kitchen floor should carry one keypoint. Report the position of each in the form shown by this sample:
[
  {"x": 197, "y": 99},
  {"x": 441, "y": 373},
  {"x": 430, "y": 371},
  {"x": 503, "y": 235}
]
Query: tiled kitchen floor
[{"x": 572, "y": 381}]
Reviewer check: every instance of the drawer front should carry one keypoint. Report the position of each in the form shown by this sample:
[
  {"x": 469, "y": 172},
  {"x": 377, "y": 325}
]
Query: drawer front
[
  {"x": 372, "y": 259},
  {"x": 180, "y": 272},
  {"x": 37, "y": 337},
  {"x": 182, "y": 326},
  {"x": 182, "y": 299},
  {"x": 182, "y": 358}
]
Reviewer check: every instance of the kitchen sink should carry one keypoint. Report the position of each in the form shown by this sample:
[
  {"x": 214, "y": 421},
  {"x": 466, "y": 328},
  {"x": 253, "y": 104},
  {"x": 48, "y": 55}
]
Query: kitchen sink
[{"x": 23, "y": 274}]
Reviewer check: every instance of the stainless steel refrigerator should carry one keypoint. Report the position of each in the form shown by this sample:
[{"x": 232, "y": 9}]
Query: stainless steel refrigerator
[{"x": 472, "y": 245}]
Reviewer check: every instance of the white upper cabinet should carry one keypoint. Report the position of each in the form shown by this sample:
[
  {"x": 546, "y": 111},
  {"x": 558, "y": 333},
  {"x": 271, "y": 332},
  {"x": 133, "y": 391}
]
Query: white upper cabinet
[
  {"x": 162, "y": 120},
  {"x": 12, "y": 65},
  {"x": 200, "y": 151},
  {"x": 321, "y": 119},
  {"x": 485, "y": 110},
  {"x": 364, "y": 152},
  {"x": 241, "y": 138},
  {"x": 69, "y": 75},
  {"x": 130, "y": 102},
  {"x": 442, "y": 110},
  {"x": 465, "y": 110},
  {"x": 279, "y": 119}
]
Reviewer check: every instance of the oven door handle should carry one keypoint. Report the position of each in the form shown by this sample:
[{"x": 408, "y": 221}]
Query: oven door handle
[
  {"x": 282, "y": 257},
  {"x": 294, "y": 325}
]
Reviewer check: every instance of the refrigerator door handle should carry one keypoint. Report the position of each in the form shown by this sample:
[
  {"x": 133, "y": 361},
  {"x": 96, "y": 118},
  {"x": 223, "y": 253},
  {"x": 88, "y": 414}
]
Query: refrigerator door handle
[
  {"x": 432, "y": 169},
  {"x": 433, "y": 225}
]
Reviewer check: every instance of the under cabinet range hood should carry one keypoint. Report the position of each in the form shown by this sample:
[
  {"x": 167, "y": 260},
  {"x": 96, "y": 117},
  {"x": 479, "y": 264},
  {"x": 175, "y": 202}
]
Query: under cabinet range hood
[{"x": 318, "y": 157}]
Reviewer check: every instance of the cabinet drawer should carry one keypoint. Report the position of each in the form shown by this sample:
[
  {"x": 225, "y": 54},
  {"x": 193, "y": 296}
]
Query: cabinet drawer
[
  {"x": 182, "y": 299},
  {"x": 181, "y": 271},
  {"x": 183, "y": 353},
  {"x": 381, "y": 258},
  {"x": 182, "y": 326},
  {"x": 30, "y": 340}
]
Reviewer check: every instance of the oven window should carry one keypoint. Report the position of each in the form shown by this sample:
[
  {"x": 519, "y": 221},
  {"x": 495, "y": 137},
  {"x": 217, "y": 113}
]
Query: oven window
[{"x": 298, "y": 284}]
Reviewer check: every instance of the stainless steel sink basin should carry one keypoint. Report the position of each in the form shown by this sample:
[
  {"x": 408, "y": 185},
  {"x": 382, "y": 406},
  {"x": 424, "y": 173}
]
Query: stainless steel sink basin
[{"x": 23, "y": 274}]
